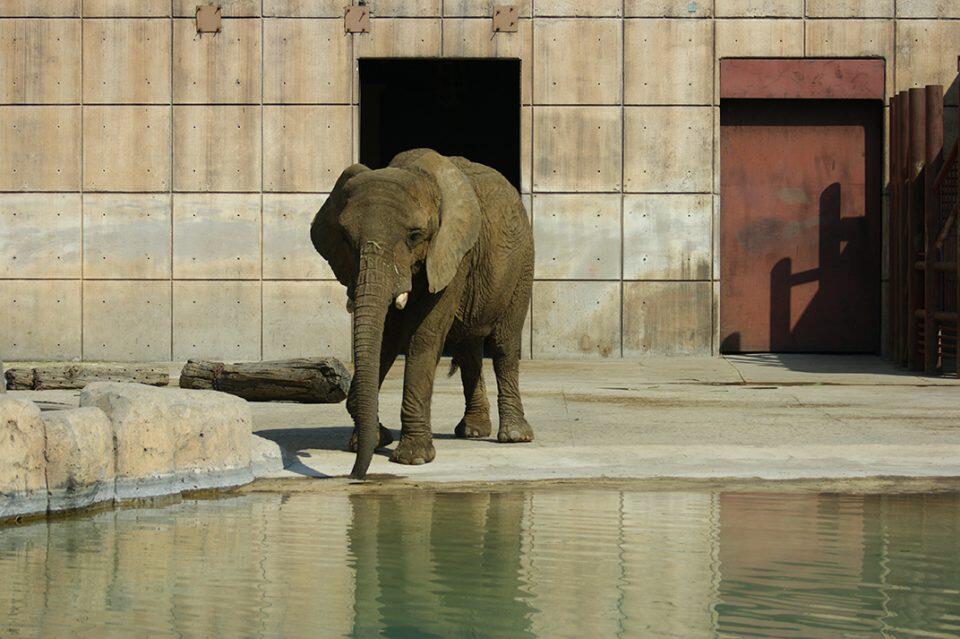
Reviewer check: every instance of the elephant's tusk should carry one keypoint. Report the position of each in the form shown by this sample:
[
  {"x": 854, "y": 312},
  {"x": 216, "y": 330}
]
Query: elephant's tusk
[{"x": 401, "y": 300}]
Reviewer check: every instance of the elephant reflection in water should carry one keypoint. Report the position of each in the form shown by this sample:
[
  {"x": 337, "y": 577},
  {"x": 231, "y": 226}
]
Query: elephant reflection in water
[{"x": 439, "y": 565}]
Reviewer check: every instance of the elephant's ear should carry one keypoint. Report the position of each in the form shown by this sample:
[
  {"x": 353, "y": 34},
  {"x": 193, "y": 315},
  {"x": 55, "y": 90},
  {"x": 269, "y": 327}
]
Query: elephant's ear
[
  {"x": 459, "y": 215},
  {"x": 327, "y": 233}
]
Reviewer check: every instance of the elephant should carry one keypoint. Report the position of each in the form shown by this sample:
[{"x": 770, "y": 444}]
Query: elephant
[{"x": 434, "y": 252}]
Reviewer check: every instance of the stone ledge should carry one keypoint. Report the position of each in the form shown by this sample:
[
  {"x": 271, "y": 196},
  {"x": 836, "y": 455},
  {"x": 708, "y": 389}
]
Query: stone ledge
[
  {"x": 126, "y": 442},
  {"x": 23, "y": 484},
  {"x": 80, "y": 464}
]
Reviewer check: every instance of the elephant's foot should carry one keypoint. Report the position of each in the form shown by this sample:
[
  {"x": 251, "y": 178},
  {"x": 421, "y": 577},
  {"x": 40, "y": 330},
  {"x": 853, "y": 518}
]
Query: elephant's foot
[
  {"x": 386, "y": 438},
  {"x": 414, "y": 450},
  {"x": 515, "y": 430},
  {"x": 473, "y": 426}
]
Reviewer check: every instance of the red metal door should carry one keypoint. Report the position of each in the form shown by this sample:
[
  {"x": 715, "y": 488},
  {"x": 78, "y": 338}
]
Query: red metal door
[{"x": 800, "y": 225}]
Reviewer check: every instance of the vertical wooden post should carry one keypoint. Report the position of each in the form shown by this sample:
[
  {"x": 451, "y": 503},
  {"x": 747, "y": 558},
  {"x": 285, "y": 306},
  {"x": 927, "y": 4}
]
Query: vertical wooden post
[
  {"x": 915, "y": 225},
  {"x": 891, "y": 239},
  {"x": 902, "y": 225},
  {"x": 933, "y": 155}
]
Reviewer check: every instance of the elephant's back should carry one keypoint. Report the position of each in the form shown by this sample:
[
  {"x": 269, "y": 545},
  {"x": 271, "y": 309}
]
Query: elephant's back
[{"x": 499, "y": 200}]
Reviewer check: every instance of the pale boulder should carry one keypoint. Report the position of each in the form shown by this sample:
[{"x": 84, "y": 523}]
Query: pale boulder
[
  {"x": 212, "y": 438},
  {"x": 172, "y": 440},
  {"x": 80, "y": 459},
  {"x": 144, "y": 437},
  {"x": 23, "y": 484}
]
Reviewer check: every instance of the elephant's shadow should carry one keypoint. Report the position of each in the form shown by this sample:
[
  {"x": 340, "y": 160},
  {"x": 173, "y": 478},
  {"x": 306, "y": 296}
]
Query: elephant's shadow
[{"x": 297, "y": 442}]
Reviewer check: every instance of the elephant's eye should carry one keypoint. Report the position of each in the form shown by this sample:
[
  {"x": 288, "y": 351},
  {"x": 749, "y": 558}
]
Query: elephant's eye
[{"x": 415, "y": 236}]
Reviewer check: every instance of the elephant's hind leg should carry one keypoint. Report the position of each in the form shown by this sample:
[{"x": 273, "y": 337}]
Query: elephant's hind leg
[
  {"x": 476, "y": 417},
  {"x": 506, "y": 343}
]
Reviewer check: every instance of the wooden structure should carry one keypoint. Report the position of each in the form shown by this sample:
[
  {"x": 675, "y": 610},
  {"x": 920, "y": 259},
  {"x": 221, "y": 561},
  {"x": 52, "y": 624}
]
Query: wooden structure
[
  {"x": 317, "y": 380},
  {"x": 924, "y": 275}
]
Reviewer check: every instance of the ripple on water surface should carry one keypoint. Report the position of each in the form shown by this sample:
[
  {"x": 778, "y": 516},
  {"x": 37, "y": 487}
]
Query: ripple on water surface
[{"x": 541, "y": 562}]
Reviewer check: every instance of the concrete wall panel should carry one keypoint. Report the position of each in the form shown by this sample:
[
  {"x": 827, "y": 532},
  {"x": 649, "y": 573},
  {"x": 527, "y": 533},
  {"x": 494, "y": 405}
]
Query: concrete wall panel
[
  {"x": 404, "y": 8},
  {"x": 216, "y": 236},
  {"x": 126, "y": 236},
  {"x": 229, "y": 8},
  {"x": 850, "y": 8},
  {"x": 304, "y": 8},
  {"x": 611, "y": 8},
  {"x": 472, "y": 38},
  {"x": 681, "y": 50},
  {"x": 928, "y": 9},
  {"x": 577, "y": 149},
  {"x": 306, "y": 61},
  {"x": 667, "y": 237},
  {"x": 126, "y": 148},
  {"x": 142, "y": 309},
  {"x": 577, "y": 236},
  {"x": 667, "y": 318},
  {"x": 39, "y": 61},
  {"x": 126, "y": 8},
  {"x": 39, "y": 235},
  {"x": 216, "y": 320},
  {"x": 758, "y": 8},
  {"x": 926, "y": 54},
  {"x": 288, "y": 252},
  {"x": 308, "y": 147},
  {"x": 399, "y": 37},
  {"x": 126, "y": 61},
  {"x": 526, "y": 149},
  {"x": 480, "y": 8},
  {"x": 222, "y": 67},
  {"x": 564, "y": 74},
  {"x": 668, "y": 8},
  {"x": 852, "y": 38},
  {"x": 576, "y": 319},
  {"x": 41, "y": 319},
  {"x": 40, "y": 8},
  {"x": 305, "y": 319},
  {"x": 759, "y": 38},
  {"x": 668, "y": 149},
  {"x": 40, "y": 149},
  {"x": 216, "y": 148}
]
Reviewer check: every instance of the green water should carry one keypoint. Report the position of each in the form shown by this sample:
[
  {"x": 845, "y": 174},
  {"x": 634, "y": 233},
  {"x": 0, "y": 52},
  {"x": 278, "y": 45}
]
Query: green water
[{"x": 546, "y": 563}]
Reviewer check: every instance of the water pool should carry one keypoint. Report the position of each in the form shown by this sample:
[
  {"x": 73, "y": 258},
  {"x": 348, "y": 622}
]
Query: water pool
[{"x": 540, "y": 562}]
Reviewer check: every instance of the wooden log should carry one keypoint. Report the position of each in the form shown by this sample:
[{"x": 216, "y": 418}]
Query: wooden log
[
  {"x": 58, "y": 376},
  {"x": 318, "y": 380}
]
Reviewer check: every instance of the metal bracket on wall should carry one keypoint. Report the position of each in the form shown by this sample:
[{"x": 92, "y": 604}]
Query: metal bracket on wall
[
  {"x": 505, "y": 18},
  {"x": 356, "y": 19},
  {"x": 208, "y": 19}
]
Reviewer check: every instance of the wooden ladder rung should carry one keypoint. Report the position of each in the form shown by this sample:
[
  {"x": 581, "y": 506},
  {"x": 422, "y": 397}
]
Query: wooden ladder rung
[
  {"x": 940, "y": 316},
  {"x": 937, "y": 266}
]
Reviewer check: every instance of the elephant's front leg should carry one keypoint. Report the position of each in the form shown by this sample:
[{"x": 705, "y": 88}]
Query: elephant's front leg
[
  {"x": 420, "y": 368},
  {"x": 416, "y": 438}
]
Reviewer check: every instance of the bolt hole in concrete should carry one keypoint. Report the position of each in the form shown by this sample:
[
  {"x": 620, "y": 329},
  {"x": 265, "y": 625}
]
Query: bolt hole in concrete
[{"x": 546, "y": 561}]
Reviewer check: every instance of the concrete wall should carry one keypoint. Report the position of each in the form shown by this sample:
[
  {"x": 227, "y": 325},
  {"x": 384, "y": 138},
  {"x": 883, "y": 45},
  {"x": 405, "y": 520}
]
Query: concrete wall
[{"x": 156, "y": 186}]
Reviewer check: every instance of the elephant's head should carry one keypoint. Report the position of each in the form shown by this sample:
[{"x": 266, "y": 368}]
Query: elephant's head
[{"x": 377, "y": 229}]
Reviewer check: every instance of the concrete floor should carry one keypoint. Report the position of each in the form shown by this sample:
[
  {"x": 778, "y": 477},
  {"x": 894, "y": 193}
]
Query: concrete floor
[{"x": 770, "y": 417}]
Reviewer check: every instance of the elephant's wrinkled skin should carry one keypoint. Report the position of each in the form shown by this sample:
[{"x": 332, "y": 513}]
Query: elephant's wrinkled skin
[{"x": 432, "y": 250}]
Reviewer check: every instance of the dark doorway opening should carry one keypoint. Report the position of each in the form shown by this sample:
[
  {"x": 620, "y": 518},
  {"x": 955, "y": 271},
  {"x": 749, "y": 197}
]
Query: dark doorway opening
[{"x": 467, "y": 107}]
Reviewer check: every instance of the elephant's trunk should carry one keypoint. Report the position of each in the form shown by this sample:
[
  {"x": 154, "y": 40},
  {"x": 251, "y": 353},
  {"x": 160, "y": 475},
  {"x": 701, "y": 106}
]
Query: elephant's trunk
[{"x": 374, "y": 293}]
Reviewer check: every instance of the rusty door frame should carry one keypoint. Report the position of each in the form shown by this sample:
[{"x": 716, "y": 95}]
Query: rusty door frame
[{"x": 862, "y": 78}]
